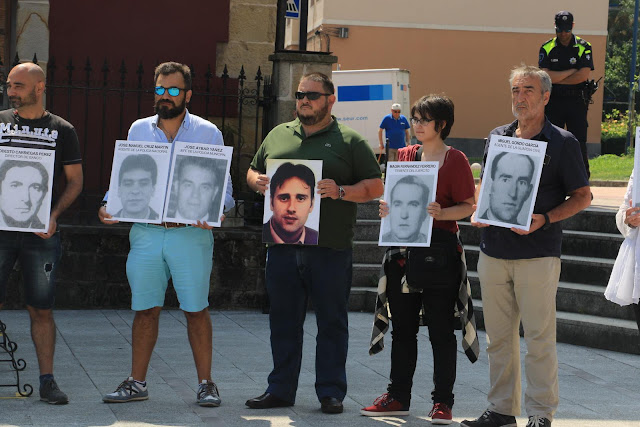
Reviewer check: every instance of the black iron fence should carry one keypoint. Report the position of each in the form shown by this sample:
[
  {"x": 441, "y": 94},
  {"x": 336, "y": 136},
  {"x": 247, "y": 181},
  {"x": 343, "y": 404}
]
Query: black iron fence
[{"x": 102, "y": 100}]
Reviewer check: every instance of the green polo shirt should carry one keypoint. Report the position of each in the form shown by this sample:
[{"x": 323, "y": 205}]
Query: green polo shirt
[{"x": 346, "y": 158}]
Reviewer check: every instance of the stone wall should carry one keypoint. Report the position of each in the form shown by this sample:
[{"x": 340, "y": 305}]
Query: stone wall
[
  {"x": 92, "y": 272},
  {"x": 252, "y": 34}
]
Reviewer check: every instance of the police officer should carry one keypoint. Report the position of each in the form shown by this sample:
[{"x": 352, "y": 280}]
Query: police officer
[{"x": 568, "y": 60}]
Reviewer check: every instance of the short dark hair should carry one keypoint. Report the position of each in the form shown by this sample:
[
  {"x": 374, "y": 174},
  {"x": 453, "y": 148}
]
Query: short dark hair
[
  {"x": 205, "y": 163},
  {"x": 413, "y": 180},
  {"x": 327, "y": 84},
  {"x": 10, "y": 164},
  {"x": 436, "y": 107},
  {"x": 167, "y": 68},
  {"x": 287, "y": 171},
  {"x": 496, "y": 160},
  {"x": 139, "y": 161}
]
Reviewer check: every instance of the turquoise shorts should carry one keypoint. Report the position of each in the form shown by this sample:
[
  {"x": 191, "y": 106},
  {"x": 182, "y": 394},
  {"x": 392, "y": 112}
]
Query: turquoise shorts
[{"x": 157, "y": 254}]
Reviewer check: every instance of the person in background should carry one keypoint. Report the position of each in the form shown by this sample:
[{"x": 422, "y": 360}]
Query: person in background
[{"x": 396, "y": 128}]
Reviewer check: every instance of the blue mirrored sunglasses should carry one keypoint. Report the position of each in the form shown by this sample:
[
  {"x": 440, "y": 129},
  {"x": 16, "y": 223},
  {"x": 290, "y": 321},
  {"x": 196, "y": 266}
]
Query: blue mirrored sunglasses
[{"x": 173, "y": 91}]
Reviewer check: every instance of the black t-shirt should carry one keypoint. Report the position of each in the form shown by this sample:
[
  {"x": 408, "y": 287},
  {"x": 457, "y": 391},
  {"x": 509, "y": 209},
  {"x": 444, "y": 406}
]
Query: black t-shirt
[
  {"x": 556, "y": 57},
  {"x": 50, "y": 132},
  {"x": 562, "y": 173}
]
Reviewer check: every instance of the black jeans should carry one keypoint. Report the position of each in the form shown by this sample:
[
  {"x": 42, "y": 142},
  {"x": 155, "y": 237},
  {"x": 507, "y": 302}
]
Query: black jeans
[{"x": 405, "y": 318}]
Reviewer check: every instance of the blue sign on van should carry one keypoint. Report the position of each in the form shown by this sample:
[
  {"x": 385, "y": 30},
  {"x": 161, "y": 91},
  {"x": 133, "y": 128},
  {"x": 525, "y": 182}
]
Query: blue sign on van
[
  {"x": 365, "y": 93},
  {"x": 293, "y": 9}
]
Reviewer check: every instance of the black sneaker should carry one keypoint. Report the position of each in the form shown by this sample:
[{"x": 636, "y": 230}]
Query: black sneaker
[
  {"x": 491, "y": 419},
  {"x": 538, "y": 421},
  {"x": 50, "y": 393}
]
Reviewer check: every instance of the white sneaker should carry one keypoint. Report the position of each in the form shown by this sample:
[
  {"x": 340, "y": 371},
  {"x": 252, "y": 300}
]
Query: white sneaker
[{"x": 127, "y": 391}]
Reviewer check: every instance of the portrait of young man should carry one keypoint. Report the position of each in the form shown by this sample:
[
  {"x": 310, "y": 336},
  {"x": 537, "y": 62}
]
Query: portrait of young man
[
  {"x": 23, "y": 187},
  {"x": 511, "y": 186},
  {"x": 409, "y": 198},
  {"x": 292, "y": 191},
  {"x": 136, "y": 186}
]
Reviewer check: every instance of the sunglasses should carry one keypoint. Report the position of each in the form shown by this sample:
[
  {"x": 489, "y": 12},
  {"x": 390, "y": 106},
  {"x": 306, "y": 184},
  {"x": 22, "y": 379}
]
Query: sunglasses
[
  {"x": 311, "y": 96},
  {"x": 173, "y": 91},
  {"x": 558, "y": 30},
  {"x": 421, "y": 122}
]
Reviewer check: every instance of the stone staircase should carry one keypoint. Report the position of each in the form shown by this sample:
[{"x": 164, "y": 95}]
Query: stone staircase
[{"x": 584, "y": 317}]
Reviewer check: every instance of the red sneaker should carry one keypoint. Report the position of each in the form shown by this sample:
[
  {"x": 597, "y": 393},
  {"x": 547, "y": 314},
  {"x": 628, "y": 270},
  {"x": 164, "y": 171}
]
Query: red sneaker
[
  {"x": 385, "y": 405},
  {"x": 441, "y": 414}
]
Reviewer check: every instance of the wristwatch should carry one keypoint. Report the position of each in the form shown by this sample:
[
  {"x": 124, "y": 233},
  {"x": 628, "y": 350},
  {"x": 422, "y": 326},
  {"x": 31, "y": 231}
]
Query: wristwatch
[
  {"x": 547, "y": 222},
  {"x": 103, "y": 203},
  {"x": 340, "y": 192}
]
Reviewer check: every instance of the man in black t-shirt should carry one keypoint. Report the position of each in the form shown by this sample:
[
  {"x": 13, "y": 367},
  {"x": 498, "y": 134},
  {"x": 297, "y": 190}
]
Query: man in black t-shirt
[
  {"x": 519, "y": 270},
  {"x": 568, "y": 59},
  {"x": 29, "y": 125}
]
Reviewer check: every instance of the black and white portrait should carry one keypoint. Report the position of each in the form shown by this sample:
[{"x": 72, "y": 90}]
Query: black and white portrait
[
  {"x": 407, "y": 195},
  {"x": 137, "y": 188},
  {"x": 197, "y": 189},
  {"x": 25, "y": 195},
  {"x": 509, "y": 185}
]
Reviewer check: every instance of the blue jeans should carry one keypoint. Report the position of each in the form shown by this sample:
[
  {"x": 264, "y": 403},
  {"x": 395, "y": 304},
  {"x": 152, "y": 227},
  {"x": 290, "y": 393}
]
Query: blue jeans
[
  {"x": 293, "y": 274},
  {"x": 39, "y": 260}
]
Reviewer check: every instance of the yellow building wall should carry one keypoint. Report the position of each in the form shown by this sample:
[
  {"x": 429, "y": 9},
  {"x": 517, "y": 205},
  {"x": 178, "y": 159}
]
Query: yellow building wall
[{"x": 472, "y": 67}]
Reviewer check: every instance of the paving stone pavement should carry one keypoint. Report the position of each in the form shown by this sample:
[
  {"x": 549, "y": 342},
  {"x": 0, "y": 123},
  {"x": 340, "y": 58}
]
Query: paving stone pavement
[{"x": 597, "y": 387}]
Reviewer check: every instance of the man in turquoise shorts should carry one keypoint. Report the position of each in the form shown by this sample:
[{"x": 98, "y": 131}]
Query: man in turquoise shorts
[{"x": 170, "y": 250}]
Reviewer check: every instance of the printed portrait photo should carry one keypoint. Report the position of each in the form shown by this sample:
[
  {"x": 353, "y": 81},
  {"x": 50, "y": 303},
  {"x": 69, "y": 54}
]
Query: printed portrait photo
[
  {"x": 137, "y": 187},
  {"x": 508, "y": 186},
  {"x": 408, "y": 223},
  {"x": 197, "y": 189},
  {"x": 25, "y": 195},
  {"x": 292, "y": 207}
]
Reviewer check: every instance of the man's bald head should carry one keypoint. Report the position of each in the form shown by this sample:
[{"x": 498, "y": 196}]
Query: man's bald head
[
  {"x": 34, "y": 72},
  {"x": 25, "y": 87}
]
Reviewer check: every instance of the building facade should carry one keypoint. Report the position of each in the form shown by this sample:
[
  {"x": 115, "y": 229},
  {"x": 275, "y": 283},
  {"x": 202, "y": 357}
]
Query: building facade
[{"x": 461, "y": 48}]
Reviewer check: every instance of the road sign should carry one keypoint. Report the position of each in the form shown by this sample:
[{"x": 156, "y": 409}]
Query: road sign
[{"x": 293, "y": 9}]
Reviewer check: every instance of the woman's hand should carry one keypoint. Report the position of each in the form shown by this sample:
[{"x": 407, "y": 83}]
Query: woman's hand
[
  {"x": 384, "y": 209},
  {"x": 632, "y": 219},
  {"x": 434, "y": 209}
]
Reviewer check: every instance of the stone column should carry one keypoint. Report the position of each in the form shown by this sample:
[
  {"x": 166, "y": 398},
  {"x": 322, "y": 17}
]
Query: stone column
[
  {"x": 32, "y": 31},
  {"x": 288, "y": 67}
]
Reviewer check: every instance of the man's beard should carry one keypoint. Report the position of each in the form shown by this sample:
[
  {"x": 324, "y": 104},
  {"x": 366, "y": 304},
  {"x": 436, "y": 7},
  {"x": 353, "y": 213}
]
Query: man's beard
[
  {"x": 315, "y": 117},
  {"x": 165, "y": 112},
  {"x": 30, "y": 99}
]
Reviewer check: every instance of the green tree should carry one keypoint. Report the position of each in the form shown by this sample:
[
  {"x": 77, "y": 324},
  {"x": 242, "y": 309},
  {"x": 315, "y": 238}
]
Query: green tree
[{"x": 619, "y": 46}]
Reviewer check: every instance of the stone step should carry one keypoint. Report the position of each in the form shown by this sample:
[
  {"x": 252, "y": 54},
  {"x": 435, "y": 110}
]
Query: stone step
[
  {"x": 575, "y": 298},
  {"x": 575, "y": 269},
  {"x": 573, "y": 328},
  {"x": 574, "y": 242}
]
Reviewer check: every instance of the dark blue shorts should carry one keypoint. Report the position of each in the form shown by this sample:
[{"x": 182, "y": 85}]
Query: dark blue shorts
[{"x": 39, "y": 259}]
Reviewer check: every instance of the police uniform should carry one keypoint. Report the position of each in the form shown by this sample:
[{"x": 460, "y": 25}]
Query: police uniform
[{"x": 568, "y": 103}]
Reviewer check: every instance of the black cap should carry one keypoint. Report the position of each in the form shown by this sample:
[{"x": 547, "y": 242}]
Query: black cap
[{"x": 564, "y": 20}]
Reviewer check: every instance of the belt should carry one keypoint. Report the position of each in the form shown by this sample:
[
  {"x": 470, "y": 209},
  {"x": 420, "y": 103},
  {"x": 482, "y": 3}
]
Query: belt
[{"x": 168, "y": 225}]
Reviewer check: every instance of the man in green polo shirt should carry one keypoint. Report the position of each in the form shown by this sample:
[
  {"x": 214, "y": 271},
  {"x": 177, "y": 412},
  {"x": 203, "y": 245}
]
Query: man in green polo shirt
[{"x": 296, "y": 272}]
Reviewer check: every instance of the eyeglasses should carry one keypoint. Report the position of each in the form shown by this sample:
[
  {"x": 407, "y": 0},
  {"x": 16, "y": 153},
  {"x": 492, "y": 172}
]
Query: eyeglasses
[
  {"x": 558, "y": 30},
  {"x": 311, "y": 96},
  {"x": 173, "y": 91},
  {"x": 395, "y": 111},
  {"x": 421, "y": 122}
]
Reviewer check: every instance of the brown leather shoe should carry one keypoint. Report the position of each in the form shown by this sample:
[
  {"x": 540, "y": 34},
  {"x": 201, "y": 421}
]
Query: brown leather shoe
[
  {"x": 331, "y": 405},
  {"x": 266, "y": 401}
]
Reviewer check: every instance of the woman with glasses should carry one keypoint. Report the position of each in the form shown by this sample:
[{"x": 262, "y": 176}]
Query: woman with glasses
[{"x": 432, "y": 118}]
